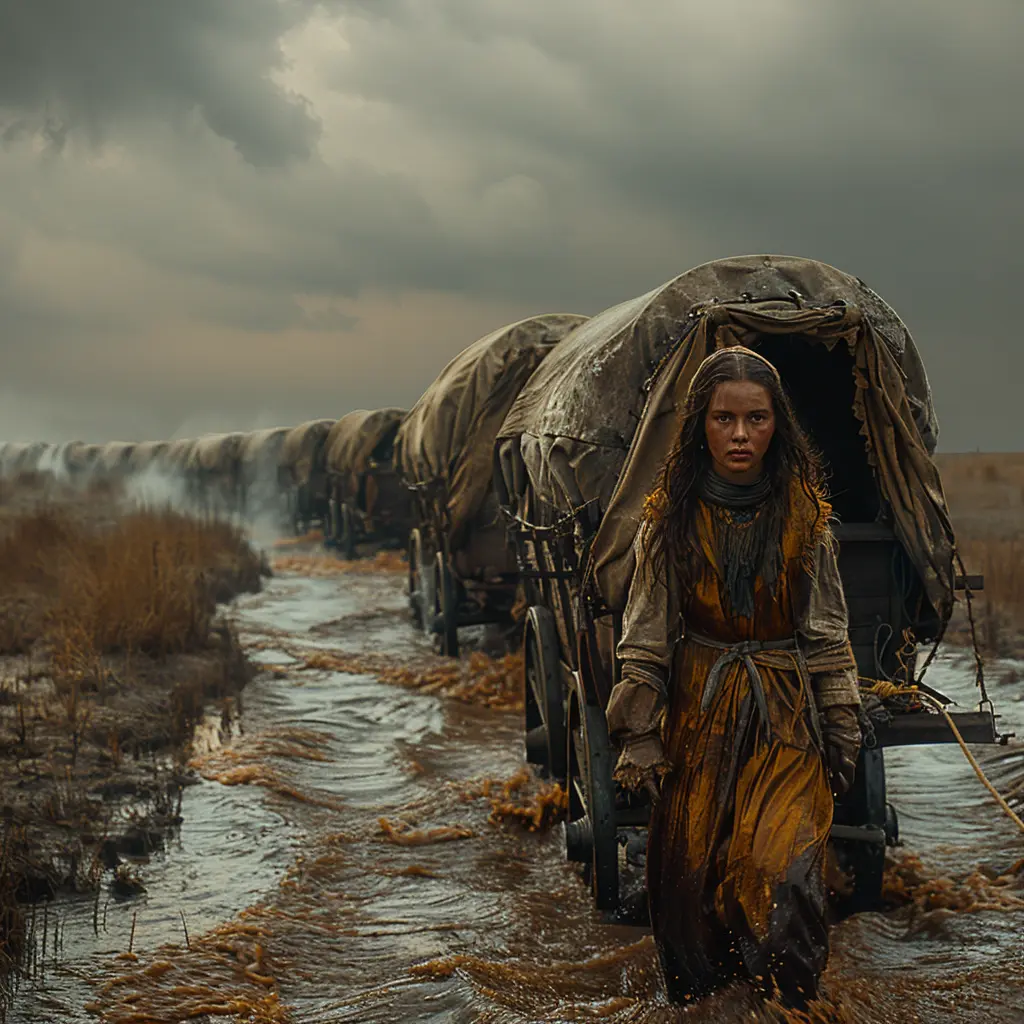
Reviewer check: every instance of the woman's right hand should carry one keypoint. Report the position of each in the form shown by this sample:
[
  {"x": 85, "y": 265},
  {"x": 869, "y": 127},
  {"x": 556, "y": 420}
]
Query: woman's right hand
[{"x": 642, "y": 765}]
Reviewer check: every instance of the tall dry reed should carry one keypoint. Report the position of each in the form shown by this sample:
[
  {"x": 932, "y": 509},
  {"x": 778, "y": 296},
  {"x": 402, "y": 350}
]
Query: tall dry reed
[{"x": 145, "y": 582}]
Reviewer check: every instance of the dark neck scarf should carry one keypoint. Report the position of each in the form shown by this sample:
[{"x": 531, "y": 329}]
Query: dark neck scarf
[
  {"x": 716, "y": 490},
  {"x": 748, "y": 539}
]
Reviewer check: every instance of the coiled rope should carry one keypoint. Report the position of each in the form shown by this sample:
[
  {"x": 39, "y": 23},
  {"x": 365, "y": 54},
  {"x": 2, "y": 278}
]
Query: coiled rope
[{"x": 884, "y": 689}]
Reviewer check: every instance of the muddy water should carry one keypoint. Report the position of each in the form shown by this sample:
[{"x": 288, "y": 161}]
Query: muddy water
[{"x": 336, "y": 863}]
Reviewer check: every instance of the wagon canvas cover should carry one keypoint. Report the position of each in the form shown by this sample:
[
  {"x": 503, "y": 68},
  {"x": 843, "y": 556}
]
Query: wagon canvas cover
[
  {"x": 353, "y": 439},
  {"x": 145, "y": 454},
  {"x": 215, "y": 453},
  {"x": 597, "y": 419},
  {"x": 447, "y": 439},
  {"x": 303, "y": 450}
]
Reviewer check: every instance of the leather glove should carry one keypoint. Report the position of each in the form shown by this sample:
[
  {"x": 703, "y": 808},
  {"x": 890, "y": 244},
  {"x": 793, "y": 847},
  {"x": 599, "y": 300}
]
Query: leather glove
[
  {"x": 642, "y": 765},
  {"x": 841, "y": 727}
]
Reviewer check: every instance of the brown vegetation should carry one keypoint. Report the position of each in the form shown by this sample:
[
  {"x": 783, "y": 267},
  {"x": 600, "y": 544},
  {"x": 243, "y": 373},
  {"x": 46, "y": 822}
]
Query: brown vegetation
[
  {"x": 109, "y": 653},
  {"x": 986, "y": 499}
]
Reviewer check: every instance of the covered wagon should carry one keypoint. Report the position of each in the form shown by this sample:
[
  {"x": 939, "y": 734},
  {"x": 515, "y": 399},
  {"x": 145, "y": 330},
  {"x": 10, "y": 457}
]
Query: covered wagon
[
  {"x": 22, "y": 457},
  {"x": 460, "y": 569},
  {"x": 302, "y": 474},
  {"x": 112, "y": 462},
  {"x": 213, "y": 475},
  {"x": 260, "y": 494},
  {"x": 79, "y": 459},
  {"x": 173, "y": 460},
  {"x": 365, "y": 497},
  {"x": 146, "y": 456},
  {"x": 582, "y": 447}
]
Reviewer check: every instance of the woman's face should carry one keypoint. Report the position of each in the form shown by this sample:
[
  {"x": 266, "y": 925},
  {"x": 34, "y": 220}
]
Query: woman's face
[{"x": 740, "y": 424}]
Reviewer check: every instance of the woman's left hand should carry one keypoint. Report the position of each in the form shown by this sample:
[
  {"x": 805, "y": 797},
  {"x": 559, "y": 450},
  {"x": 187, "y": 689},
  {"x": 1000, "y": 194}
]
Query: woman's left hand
[{"x": 841, "y": 727}]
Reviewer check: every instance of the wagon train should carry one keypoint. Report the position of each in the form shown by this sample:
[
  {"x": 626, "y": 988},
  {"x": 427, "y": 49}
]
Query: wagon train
[
  {"x": 579, "y": 452},
  {"x": 461, "y": 571}
]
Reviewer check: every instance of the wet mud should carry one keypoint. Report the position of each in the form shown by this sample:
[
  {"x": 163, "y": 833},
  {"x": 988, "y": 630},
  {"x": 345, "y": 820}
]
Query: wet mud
[{"x": 363, "y": 843}]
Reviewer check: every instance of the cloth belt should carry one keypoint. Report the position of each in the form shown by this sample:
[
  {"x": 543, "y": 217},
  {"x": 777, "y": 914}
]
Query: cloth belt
[{"x": 751, "y": 653}]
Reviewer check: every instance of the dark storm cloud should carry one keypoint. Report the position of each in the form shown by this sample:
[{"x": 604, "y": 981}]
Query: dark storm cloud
[
  {"x": 102, "y": 65},
  {"x": 246, "y": 170}
]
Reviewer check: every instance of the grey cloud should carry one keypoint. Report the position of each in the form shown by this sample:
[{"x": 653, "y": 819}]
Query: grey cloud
[
  {"x": 91, "y": 67},
  {"x": 519, "y": 156}
]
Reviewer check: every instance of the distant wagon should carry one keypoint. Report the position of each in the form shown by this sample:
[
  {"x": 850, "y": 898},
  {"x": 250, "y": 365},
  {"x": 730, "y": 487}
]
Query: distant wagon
[
  {"x": 365, "y": 497},
  {"x": 146, "y": 456},
  {"x": 460, "y": 569},
  {"x": 113, "y": 461},
  {"x": 79, "y": 459},
  {"x": 213, "y": 473},
  {"x": 260, "y": 454},
  {"x": 302, "y": 474},
  {"x": 581, "y": 448},
  {"x": 173, "y": 460},
  {"x": 22, "y": 457}
]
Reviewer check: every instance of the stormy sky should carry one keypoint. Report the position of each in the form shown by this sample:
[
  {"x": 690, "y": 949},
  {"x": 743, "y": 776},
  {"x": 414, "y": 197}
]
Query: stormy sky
[{"x": 224, "y": 214}]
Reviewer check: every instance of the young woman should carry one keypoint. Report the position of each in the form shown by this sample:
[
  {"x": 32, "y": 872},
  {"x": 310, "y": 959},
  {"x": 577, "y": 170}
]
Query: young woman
[{"x": 737, "y": 703}]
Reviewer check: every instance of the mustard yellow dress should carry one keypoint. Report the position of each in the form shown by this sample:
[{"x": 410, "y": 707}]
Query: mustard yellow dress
[{"x": 728, "y": 707}]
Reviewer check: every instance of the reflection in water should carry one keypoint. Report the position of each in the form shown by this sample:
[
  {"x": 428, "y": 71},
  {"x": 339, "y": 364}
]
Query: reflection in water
[{"x": 363, "y": 851}]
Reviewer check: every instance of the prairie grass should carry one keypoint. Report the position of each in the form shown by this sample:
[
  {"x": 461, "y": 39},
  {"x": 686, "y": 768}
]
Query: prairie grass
[
  {"x": 147, "y": 582},
  {"x": 985, "y": 493}
]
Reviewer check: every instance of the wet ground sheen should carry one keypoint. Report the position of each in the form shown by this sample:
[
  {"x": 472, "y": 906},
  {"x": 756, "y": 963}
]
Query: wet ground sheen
[{"x": 336, "y": 863}]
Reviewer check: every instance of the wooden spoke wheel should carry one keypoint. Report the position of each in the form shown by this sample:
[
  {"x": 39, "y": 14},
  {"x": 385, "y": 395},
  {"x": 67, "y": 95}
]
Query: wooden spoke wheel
[
  {"x": 347, "y": 536},
  {"x": 332, "y": 527},
  {"x": 421, "y": 580},
  {"x": 446, "y": 606},
  {"x": 591, "y": 836},
  {"x": 544, "y": 694},
  {"x": 863, "y": 860}
]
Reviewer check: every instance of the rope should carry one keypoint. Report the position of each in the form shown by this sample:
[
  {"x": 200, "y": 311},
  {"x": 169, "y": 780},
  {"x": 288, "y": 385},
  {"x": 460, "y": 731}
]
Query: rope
[{"x": 883, "y": 689}]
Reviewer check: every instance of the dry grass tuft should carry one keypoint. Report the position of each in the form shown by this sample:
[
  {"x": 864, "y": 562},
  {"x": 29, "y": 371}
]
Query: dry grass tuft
[
  {"x": 986, "y": 500},
  {"x": 147, "y": 582}
]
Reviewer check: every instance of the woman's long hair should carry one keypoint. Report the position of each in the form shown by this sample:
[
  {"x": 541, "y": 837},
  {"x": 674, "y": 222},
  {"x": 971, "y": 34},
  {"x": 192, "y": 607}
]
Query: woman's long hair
[{"x": 671, "y": 514}]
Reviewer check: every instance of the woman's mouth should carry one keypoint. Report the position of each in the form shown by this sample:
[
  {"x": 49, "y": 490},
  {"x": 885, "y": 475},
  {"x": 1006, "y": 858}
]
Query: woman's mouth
[{"x": 740, "y": 454}]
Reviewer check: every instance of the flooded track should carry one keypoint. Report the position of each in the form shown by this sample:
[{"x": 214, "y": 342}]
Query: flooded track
[{"x": 336, "y": 863}]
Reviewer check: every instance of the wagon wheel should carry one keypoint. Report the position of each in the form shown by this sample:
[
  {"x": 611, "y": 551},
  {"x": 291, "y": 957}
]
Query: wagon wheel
[
  {"x": 544, "y": 694},
  {"x": 331, "y": 526},
  {"x": 421, "y": 591},
  {"x": 295, "y": 506},
  {"x": 347, "y": 538},
  {"x": 446, "y": 606},
  {"x": 862, "y": 859},
  {"x": 591, "y": 836}
]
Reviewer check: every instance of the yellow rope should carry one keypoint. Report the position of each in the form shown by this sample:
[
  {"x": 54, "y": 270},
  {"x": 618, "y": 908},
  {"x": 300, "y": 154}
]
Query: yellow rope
[{"x": 884, "y": 689}]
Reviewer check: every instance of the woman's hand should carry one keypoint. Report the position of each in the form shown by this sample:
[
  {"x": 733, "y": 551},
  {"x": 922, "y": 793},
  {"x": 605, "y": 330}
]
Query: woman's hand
[
  {"x": 841, "y": 728},
  {"x": 642, "y": 765}
]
